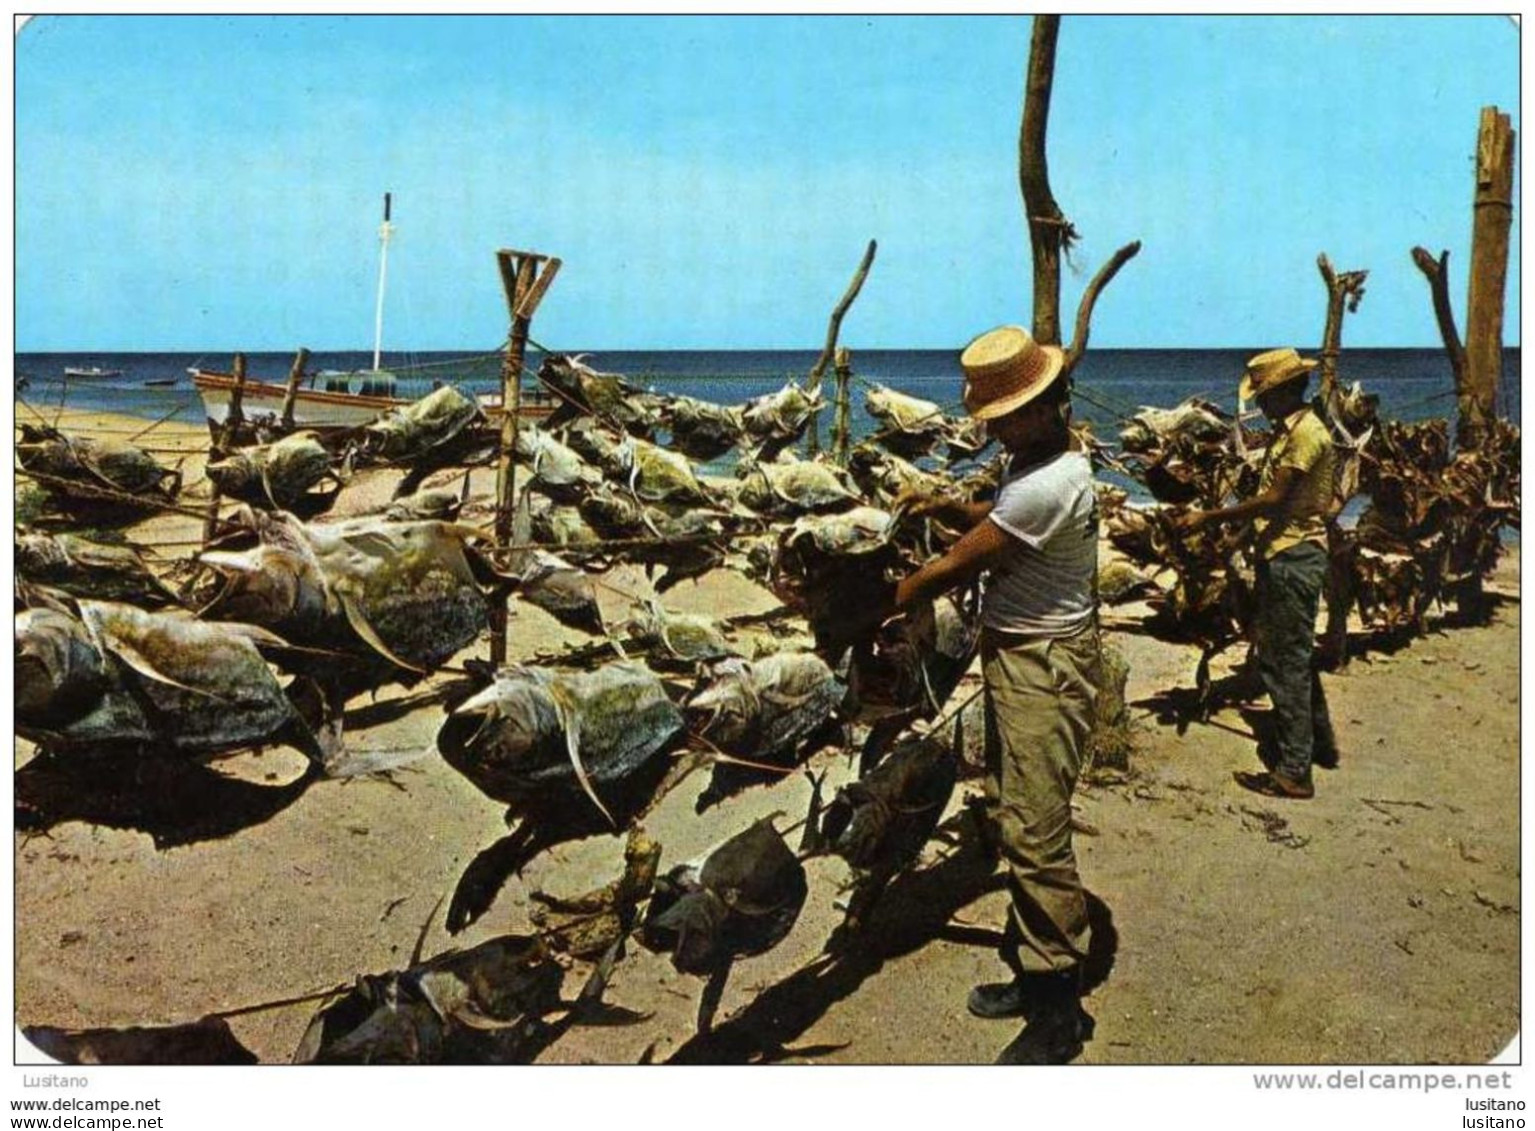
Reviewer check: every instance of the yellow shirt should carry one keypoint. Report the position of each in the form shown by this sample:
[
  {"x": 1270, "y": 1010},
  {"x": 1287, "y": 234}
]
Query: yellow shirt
[{"x": 1301, "y": 442}]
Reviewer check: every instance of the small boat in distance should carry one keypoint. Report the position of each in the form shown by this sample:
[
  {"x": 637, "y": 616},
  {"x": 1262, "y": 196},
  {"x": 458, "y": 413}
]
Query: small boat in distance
[
  {"x": 329, "y": 407},
  {"x": 90, "y": 372},
  {"x": 161, "y": 382}
]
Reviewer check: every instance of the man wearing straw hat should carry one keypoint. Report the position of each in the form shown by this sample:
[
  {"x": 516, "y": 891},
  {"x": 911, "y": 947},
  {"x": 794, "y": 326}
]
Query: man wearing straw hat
[
  {"x": 1037, "y": 543},
  {"x": 1290, "y": 542}
]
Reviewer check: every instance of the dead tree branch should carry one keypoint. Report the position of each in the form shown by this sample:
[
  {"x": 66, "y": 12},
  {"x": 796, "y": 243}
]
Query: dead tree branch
[{"x": 1090, "y": 299}]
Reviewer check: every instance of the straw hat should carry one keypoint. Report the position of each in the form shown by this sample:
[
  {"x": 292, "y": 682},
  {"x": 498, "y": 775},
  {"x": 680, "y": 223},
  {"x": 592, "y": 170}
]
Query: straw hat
[
  {"x": 1005, "y": 369},
  {"x": 1271, "y": 369}
]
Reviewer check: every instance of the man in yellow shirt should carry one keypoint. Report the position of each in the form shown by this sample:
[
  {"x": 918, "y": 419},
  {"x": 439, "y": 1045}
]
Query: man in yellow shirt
[{"x": 1288, "y": 515}]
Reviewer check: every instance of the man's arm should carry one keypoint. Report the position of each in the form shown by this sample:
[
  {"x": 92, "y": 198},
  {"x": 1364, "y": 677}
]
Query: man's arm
[
  {"x": 980, "y": 549},
  {"x": 1265, "y": 505},
  {"x": 954, "y": 513}
]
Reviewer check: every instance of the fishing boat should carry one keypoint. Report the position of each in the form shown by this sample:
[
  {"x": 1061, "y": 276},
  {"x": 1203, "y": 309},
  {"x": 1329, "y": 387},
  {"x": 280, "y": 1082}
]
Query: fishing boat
[
  {"x": 338, "y": 398},
  {"x": 90, "y": 372}
]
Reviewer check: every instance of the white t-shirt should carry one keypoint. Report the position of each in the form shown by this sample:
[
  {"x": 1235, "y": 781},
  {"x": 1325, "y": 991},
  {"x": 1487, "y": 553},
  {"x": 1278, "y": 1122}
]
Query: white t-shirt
[{"x": 1045, "y": 586}]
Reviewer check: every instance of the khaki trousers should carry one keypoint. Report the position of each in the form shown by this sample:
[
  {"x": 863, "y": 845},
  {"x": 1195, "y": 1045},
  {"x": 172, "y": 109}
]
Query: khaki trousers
[{"x": 1040, "y": 693}]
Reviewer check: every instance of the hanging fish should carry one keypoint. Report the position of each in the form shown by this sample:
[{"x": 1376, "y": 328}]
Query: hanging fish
[
  {"x": 607, "y": 396},
  {"x": 776, "y": 420},
  {"x": 283, "y": 474},
  {"x": 538, "y": 739},
  {"x": 423, "y": 427},
  {"x": 880, "y": 822},
  {"x": 678, "y": 639},
  {"x": 112, "y": 677},
  {"x": 83, "y": 568},
  {"x": 484, "y": 1005},
  {"x": 767, "y": 712},
  {"x": 703, "y": 430},
  {"x": 742, "y": 899},
  {"x": 794, "y": 487},
  {"x": 398, "y": 597},
  {"x": 105, "y": 474}
]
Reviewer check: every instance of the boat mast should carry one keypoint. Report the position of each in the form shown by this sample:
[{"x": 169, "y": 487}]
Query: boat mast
[{"x": 385, "y": 230}]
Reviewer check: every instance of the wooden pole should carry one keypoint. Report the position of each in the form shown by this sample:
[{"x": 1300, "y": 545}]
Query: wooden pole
[
  {"x": 1048, "y": 228},
  {"x": 1491, "y": 217},
  {"x": 295, "y": 375},
  {"x": 236, "y": 415},
  {"x": 842, "y": 418},
  {"x": 834, "y": 327},
  {"x": 1345, "y": 290},
  {"x": 525, "y": 289}
]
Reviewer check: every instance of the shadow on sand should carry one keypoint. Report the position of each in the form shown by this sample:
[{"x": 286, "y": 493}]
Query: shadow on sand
[{"x": 175, "y": 801}]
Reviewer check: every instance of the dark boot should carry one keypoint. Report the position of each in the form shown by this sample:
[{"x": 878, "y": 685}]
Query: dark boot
[
  {"x": 1055, "y": 1030},
  {"x": 1000, "y": 999}
]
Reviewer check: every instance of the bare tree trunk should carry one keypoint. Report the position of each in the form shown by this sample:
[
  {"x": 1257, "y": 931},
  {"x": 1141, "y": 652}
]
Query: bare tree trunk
[
  {"x": 842, "y": 415},
  {"x": 1343, "y": 290},
  {"x": 1492, "y": 215},
  {"x": 828, "y": 351},
  {"x": 1090, "y": 299},
  {"x": 1048, "y": 226}
]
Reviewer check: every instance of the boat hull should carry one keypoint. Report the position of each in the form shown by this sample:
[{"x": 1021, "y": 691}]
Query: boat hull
[{"x": 314, "y": 408}]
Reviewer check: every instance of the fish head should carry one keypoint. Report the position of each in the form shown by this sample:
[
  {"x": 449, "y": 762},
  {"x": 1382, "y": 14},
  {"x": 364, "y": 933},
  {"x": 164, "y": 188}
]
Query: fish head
[
  {"x": 267, "y": 585},
  {"x": 234, "y": 474},
  {"x": 60, "y": 670}
]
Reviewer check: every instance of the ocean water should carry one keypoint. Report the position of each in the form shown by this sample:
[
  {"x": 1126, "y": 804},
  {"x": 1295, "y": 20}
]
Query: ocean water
[{"x": 1413, "y": 384}]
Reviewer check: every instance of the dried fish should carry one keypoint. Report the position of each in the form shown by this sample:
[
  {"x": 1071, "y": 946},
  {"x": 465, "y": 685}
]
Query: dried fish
[
  {"x": 742, "y": 899},
  {"x": 283, "y": 474},
  {"x": 535, "y": 731},
  {"x": 880, "y": 822},
  {"x": 115, "y": 677},
  {"x": 483, "y": 1005},
  {"x": 1195, "y": 418},
  {"x": 678, "y": 639},
  {"x": 909, "y": 426},
  {"x": 83, "y": 568},
  {"x": 536, "y": 739},
  {"x": 558, "y": 471},
  {"x": 776, "y": 420},
  {"x": 882, "y": 476},
  {"x": 794, "y": 487},
  {"x": 607, "y": 396},
  {"x": 79, "y": 469},
  {"x": 655, "y": 475},
  {"x": 912, "y": 664},
  {"x": 401, "y": 596},
  {"x": 763, "y": 709},
  {"x": 703, "y": 430},
  {"x": 423, "y": 427}
]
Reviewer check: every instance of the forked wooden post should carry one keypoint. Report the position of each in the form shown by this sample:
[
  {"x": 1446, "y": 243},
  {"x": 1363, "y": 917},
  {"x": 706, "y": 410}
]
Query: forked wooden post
[
  {"x": 525, "y": 277},
  {"x": 295, "y": 375}
]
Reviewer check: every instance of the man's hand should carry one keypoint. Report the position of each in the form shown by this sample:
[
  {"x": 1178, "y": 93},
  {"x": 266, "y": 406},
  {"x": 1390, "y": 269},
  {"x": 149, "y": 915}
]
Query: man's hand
[
  {"x": 917, "y": 503},
  {"x": 1192, "y": 522}
]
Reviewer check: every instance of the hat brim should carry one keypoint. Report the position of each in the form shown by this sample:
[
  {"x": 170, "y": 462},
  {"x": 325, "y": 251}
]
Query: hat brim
[
  {"x": 1246, "y": 392},
  {"x": 990, "y": 410}
]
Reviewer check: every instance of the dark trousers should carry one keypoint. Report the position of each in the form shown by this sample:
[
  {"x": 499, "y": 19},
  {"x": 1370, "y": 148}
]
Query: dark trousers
[{"x": 1289, "y": 587}]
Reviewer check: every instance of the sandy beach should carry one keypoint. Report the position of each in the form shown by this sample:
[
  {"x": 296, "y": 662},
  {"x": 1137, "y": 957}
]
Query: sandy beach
[{"x": 1377, "y": 923}]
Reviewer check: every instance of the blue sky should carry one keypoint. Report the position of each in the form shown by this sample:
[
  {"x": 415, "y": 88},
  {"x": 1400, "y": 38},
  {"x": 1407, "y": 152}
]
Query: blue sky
[{"x": 711, "y": 182}]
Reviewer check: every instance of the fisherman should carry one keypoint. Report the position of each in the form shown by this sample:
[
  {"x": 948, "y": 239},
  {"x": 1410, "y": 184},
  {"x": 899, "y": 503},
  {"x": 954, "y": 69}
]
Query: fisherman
[
  {"x": 1037, "y": 544},
  {"x": 1288, "y": 516}
]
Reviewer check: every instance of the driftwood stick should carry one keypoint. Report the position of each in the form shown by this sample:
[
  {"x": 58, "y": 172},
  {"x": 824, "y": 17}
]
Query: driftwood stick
[
  {"x": 1437, "y": 272},
  {"x": 1090, "y": 299},
  {"x": 828, "y": 351}
]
